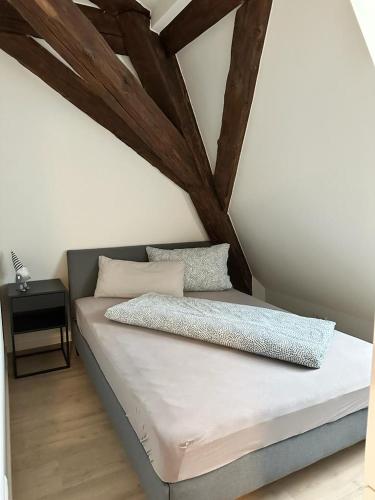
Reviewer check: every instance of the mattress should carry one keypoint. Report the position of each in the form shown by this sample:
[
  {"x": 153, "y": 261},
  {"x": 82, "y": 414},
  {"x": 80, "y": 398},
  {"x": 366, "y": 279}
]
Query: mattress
[{"x": 196, "y": 406}]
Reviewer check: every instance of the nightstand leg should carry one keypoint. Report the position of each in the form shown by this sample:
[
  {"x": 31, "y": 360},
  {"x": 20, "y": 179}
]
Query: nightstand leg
[
  {"x": 14, "y": 357},
  {"x": 67, "y": 345}
]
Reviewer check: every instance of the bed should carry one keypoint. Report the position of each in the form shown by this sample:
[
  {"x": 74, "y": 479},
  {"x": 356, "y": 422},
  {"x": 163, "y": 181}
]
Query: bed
[{"x": 188, "y": 434}]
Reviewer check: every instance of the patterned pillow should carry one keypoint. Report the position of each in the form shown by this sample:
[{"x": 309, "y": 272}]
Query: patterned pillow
[{"x": 205, "y": 268}]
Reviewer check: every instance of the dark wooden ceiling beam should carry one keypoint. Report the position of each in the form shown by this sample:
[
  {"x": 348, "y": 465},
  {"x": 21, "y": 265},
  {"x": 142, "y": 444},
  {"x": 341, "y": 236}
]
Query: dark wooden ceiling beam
[
  {"x": 107, "y": 26},
  {"x": 162, "y": 79},
  {"x": 119, "y": 6},
  {"x": 12, "y": 22},
  {"x": 148, "y": 60},
  {"x": 103, "y": 88},
  {"x": 71, "y": 34},
  {"x": 247, "y": 45},
  {"x": 69, "y": 85},
  {"x": 219, "y": 228},
  {"x": 196, "y": 18}
]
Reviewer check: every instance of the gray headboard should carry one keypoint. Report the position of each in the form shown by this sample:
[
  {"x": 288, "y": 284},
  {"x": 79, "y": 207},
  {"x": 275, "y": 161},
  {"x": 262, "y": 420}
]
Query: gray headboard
[{"x": 83, "y": 265}]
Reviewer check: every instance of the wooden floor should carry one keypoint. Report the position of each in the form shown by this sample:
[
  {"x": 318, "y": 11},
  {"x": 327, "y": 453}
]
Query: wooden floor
[{"x": 63, "y": 447}]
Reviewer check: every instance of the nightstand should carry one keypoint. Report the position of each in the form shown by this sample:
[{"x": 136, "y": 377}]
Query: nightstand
[{"x": 43, "y": 307}]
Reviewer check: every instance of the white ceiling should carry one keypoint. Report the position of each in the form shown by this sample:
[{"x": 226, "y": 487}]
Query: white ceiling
[
  {"x": 158, "y": 7},
  {"x": 163, "y": 11}
]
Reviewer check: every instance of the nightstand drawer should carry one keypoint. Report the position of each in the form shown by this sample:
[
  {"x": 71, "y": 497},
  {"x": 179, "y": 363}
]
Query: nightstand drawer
[{"x": 38, "y": 302}]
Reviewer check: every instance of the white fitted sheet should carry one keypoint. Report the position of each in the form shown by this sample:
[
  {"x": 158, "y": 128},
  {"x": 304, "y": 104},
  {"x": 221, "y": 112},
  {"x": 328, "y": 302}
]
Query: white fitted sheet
[{"x": 196, "y": 407}]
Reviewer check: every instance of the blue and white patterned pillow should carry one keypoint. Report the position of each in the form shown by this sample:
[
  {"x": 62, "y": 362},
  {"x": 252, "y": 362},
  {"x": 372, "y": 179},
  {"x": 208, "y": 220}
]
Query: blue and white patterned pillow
[{"x": 206, "y": 268}]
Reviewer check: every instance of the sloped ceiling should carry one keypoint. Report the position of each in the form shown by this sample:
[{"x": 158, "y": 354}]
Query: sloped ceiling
[{"x": 304, "y": 202}]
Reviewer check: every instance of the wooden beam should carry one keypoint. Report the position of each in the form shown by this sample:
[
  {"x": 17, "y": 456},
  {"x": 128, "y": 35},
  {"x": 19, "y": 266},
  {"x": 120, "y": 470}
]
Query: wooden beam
[
  {"x": 69, "y": 32},
  {"x": 247, "y": 45},
  {"x": 118, "y": 6},
  {"x": 102, "y": 87},
  {"x": 69, "y": 85},
  {"x": 148, "y": 59},
  {"x": 12, "y": 22},
  {"x": 107, "y": 26},
  {"x": 196, "y": 18},
  {"x": 162, "y": 79},
  {"x": 220, "y": 230}
]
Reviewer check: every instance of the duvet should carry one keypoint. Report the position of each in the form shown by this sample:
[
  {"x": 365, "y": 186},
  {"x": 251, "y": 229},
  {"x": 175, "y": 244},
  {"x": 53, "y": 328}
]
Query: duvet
[{"x": 266, "y": 332}]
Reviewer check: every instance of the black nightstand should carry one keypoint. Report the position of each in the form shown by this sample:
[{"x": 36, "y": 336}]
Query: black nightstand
[{"x": 43, "y": 307}]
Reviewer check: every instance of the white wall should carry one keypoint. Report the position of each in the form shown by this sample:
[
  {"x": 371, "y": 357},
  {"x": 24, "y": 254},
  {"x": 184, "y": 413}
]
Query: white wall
[
  {"x": 370, "y": 438},
  {"x": 159, "y": 8},
  {"x": 304, "y": 203},
  {"x": 205, "y": 63},
  {"x": 68, "y": 183},
  {"x": 5, "y": 472}
]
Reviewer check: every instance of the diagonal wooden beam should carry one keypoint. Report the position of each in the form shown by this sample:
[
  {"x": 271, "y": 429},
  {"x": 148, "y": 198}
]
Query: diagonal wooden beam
[
  {"x": 110, "y": 94},
  {"x": 196, "y": 18},
  {"x": 68, "y": 31},
  {"x": 247, "y": 45},
  {"x": 148, "y": 59},
  {"x": 118, "y": 6},
  {"x": 162, "y": 79},
  {"x": 220, "y": 229},
  {"x": 69, "y": 85},
  {"x": 105, "y": 23},
  {"x": 12, "y": 22}
]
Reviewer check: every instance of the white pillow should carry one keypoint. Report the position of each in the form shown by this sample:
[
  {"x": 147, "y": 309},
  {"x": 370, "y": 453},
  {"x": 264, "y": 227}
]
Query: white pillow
[
  {"x": 128, "y": 279},
  {"x": 205, "y": 267}
]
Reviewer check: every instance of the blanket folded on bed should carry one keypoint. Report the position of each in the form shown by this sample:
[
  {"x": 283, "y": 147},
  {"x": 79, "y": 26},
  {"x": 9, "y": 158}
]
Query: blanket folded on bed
[{"x": 275, "y": 334}]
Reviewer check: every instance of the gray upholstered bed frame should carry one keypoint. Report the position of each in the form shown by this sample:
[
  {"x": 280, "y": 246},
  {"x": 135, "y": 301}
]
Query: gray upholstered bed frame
[{"x": 242, "y": 476}]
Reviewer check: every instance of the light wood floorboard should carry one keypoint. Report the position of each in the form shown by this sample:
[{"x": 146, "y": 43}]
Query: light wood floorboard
[{"x": 63, "y": 447}]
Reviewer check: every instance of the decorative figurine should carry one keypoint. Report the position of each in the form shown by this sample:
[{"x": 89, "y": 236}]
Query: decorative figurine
[{"x": 22, "y": 274}]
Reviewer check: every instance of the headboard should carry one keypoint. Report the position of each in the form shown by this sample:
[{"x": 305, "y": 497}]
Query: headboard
[{"x": 83, "y": 265}]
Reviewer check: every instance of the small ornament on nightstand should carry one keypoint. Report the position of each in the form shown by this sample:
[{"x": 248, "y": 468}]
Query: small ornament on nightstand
[{"x": 22, "y": 274}]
